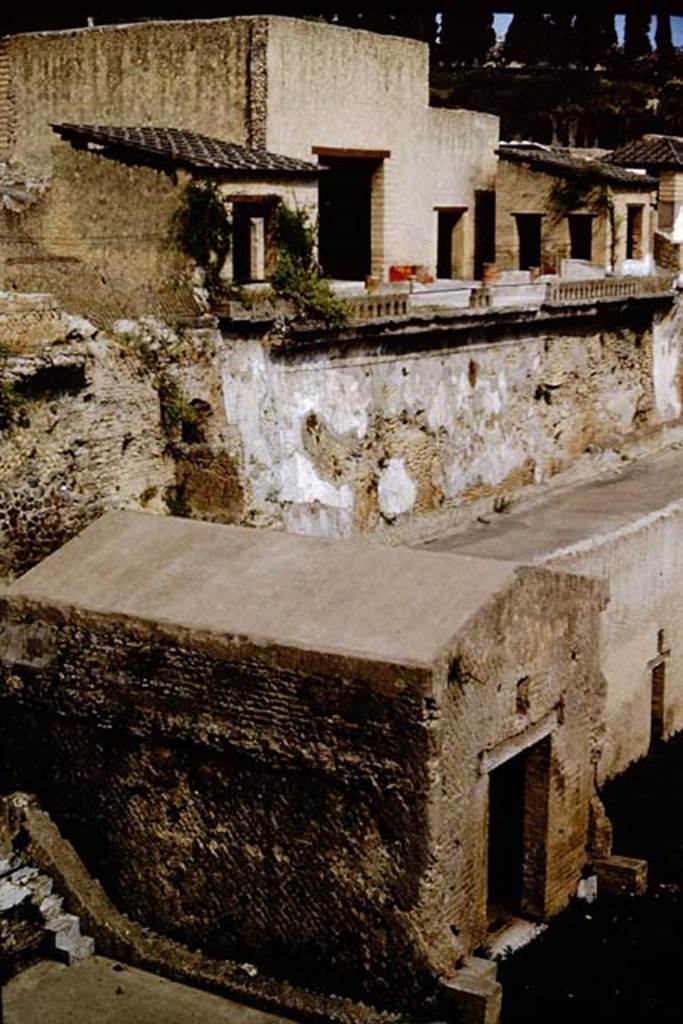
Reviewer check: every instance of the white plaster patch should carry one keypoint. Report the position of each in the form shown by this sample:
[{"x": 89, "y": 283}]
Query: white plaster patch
[
  {"x": 301, "y": 484},
  {"x": 396, "y": 491},
  {"x": 665, "y": 361}
]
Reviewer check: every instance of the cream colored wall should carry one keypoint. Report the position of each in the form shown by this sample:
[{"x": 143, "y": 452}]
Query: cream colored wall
[
  {"x": 520, "y": 189},
  {"x": 340, "y": 88},
  {"x": 178, "y": 74}
]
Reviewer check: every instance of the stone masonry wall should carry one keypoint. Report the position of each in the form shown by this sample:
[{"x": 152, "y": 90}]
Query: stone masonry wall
[
  {"x": 542, "y": 634},
  {"x": 334, "y": 87},
  {"x": 259, "y": 803},
  {"x": 393, "y": 437},
  {"x": 176, "y": 74},
  {"x": 86, "y": 437}
]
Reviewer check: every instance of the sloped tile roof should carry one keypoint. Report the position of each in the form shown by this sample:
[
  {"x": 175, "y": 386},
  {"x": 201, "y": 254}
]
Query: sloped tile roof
[
  {"x": 183, "y": 147},
  {"x": 564, "y": 164},
  {"x": 651, "y": 151}
]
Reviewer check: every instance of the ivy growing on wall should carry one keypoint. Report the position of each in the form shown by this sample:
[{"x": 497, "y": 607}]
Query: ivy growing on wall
[
  {"x": 297, "y": 276},
  {"x": 203, "y": 228}
]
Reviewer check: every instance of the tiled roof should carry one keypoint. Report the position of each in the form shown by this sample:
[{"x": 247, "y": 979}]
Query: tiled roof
[
  {"x": 566, "y": 165},
  {"x": 186, "y": 148},
  {"x": 650, "y": 151}
]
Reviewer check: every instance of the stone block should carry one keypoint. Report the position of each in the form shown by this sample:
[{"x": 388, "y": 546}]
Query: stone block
[
  {"x": 620, "y": 875},
  {"x": 474, "y": 994}
]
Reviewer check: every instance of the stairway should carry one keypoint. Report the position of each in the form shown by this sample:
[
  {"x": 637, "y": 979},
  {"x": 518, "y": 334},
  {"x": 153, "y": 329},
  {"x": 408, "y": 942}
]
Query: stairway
[{"x": 23, "y": 887}]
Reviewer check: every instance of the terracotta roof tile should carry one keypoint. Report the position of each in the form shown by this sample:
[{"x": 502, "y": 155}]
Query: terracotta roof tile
[
  {"x": 183, "y": 147},
  {"x": 650, "y": 152},
  {"x": 564, "y": 164}
]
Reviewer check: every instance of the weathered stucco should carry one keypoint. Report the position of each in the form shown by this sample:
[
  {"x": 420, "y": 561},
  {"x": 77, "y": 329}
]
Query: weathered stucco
[{"x": 366, "y": 438}]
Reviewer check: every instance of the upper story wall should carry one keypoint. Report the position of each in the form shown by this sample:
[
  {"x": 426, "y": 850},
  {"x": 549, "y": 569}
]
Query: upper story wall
[
  {"x": 346, "y": 89},
  {"x": 176, "y": 74}
]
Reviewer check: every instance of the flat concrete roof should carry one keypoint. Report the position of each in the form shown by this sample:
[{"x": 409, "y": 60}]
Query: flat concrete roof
[
  {"x": 353, "y": 598},
  {"x": 573, "y": 515}
]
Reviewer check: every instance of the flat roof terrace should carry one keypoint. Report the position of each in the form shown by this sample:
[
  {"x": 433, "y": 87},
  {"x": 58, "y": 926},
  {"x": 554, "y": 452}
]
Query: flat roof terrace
[{"x": 353, "y": 599}]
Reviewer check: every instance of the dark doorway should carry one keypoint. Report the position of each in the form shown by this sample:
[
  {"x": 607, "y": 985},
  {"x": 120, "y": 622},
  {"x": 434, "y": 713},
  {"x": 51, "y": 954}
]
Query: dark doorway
[
  {"x": 449, "y": 255},
  {"x": 581, "y": 236},
  {"x": 484, "y": 230},
  {"x": 506, "y": 834},
  {"x": 529, "y": 235},
  {"x": 518, "y": 832},
  {"x": 345, "y": 217},
  {"x": 634, "y": 232},
  {"x": 657, "y": 703}
]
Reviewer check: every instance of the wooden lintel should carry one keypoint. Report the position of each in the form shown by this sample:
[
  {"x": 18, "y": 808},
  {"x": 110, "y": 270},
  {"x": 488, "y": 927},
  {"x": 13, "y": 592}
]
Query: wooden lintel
[
  {"x": 354, "y": 154},
  {"x": 241, "y": 197},
  {"x": 450, "y": 209}
]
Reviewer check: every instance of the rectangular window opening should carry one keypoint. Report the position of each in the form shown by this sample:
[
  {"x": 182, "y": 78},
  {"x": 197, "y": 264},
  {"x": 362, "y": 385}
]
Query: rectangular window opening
[
  {"x": 634, "y": 232},
  {"x": 529, "y": 237},
  {"x": 581, "y": 236}
]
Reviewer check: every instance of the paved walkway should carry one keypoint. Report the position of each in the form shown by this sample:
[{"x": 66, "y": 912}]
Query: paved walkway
[
  {"x": 101, "y": 991},
  {"x": 573, "y": 514}
]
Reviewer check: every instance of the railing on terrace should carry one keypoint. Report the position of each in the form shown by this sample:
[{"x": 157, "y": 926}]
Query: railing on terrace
[
  {"x": 607, "y": 288},
  {"x": 373, "y": 307}
]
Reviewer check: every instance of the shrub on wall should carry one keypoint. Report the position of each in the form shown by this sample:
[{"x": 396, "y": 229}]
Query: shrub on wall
[{"x": 297, "y": 276}]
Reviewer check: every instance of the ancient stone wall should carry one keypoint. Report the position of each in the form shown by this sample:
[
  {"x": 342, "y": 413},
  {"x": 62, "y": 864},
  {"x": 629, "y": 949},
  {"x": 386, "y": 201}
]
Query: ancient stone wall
[
  {"x": 397, "y": 436},
  {"x": 85, "y": 434},
  {"x": 215, "y": 789},
  {"x": 176, "y": 74},
  {"x": 530, "y": 659}
]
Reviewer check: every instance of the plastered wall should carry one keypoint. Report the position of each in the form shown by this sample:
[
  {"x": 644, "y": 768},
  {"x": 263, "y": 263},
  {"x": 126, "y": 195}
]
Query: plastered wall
[
  {"x": 521, "y": 189},
  {"x": 337, "y": 442},
  {"x": 335, "y": 87}
]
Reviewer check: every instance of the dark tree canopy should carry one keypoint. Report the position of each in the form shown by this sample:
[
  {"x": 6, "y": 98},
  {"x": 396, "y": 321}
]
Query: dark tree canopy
[
  {"x": 466, "y": 40},
  {"x": 595, "y": 38},
  {"x": 663, "y": 35},
  {"x": 636, "y": 35},
  {"x": 526, "y": 38}
]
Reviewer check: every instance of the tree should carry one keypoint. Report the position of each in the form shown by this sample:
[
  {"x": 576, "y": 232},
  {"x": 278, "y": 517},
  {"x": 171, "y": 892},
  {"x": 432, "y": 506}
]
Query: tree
[
  {"x": 595, "y": 38},
  {"x": 526, "y": 38},
  {"x": 466, "y": 40},
  {"x": 560, "y": 39},
  {"x": 636, "y": 35},
  {"x": 663, "y": 35}
]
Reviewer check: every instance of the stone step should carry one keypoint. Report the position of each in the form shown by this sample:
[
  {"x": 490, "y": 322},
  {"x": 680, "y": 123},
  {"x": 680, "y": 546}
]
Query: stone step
[{"x": 51, "y": 906}]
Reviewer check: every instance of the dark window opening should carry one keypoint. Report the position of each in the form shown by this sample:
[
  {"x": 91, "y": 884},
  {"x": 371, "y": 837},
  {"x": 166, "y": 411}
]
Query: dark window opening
[
  {"x": 345, "y": 203},
  {"x": 529, "y": 235},
  {"x": 634, "y": 232},
  {"x": 484, "y": 230},
  {"x": 52, "y": 382},
  {"x": 448, "y": 245},
  {"x": 581, "y": 236},
  {"x": 518, "y": 833},
  {"x": 657, "y": 703}
]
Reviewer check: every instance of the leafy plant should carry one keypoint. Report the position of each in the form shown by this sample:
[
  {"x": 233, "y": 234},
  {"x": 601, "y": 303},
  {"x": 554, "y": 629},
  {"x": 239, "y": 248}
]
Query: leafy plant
[
  {"x": 297, "y": 276},
  {"x": 177, "y": 413},
  {"x": 203, "y": 228}
]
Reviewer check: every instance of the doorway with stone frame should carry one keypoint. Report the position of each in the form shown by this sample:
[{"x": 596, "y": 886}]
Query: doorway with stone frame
[{"x": 519, "y": 788}]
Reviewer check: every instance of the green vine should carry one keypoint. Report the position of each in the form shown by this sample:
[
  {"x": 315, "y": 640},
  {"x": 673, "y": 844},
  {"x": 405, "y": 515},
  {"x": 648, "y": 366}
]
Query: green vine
[
  {"x": 297, "y": 276},
  {"x": 178, "y": 415},
  {"x": 203, "y": 229}
]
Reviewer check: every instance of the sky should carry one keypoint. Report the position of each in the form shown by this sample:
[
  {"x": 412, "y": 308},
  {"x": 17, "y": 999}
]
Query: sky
[{"x": 501, "y": 22}]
